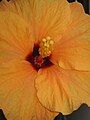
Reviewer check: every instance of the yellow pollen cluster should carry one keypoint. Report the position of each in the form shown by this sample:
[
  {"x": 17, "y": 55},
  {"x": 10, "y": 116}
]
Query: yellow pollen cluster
[{"x": 46, "y": 47}]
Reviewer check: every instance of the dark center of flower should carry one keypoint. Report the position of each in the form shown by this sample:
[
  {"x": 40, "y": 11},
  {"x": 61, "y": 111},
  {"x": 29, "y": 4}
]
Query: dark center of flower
[{"x": 37, "y": 60}]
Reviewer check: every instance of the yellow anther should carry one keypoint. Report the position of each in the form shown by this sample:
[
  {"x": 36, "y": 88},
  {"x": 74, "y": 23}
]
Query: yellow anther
[
  {"x": 48, "y": 38},
  {"x": 44, "y": 40},
  {"x": 45, "y": 44},
  {"x": 46, "y": 47},
  {"x": 51, "y": 42}
]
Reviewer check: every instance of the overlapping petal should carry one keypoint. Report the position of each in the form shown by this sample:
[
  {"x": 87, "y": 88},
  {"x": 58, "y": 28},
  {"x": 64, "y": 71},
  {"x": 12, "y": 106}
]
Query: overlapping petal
[
  {"x": 73, "y": 49},
  {"x": 15, "y": 37},
  {"x": 63, "y": 90},
  {"x": 17, "y": 92},
  {"x": 48, "y": 17}
]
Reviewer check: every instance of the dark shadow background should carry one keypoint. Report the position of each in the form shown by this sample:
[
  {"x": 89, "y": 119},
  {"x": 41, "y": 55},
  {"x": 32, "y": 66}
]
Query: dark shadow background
[{"x": 83, "y": 113}]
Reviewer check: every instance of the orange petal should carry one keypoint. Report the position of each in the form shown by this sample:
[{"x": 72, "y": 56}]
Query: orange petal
[
  {"x": 15, "y": 37},
  {"x": 23, "y": 8},
  {"x": 73, "y": 49},
  {"x": 52, "y": 17},
  {"x": 17, "y": 93},
  {"x": 48, "y": 17},
  {"x": 63, "y": 90},
  {"x": 3, "y": 5}
]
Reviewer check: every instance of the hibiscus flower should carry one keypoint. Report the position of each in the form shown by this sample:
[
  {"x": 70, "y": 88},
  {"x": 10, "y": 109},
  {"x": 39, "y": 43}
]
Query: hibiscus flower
[{"x": 44, "y": 58}]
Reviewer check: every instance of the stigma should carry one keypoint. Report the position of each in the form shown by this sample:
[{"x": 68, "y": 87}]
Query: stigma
[{"x": 46, "y": 47}]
